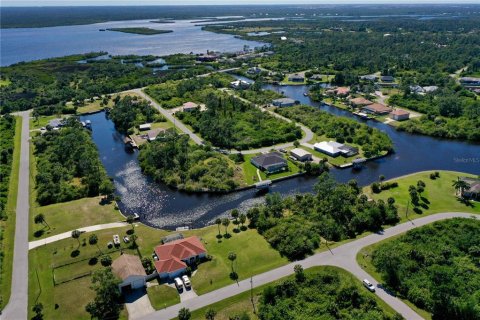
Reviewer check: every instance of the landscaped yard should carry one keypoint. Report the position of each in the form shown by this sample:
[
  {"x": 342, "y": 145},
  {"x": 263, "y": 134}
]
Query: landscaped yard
[
  {"x": 439, "y": 195},
  {"x": 162, "y": 296},
  {"x": 250, "y": 171}
]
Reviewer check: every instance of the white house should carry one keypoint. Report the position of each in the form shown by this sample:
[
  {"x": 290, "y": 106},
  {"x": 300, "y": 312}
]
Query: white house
[
  {"x": 145, "y": 126},
  {"x": 301, "y": 155}
]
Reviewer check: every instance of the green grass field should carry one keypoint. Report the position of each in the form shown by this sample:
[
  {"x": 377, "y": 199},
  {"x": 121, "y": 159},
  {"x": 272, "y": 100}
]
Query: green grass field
[
  {"x": 162, "y": 296},
  {"x": 439, "y": 195},
  {"x": 250, "y": 171},
  {"x": 8, "y": 225},
  {"x": 242, "y": 302}
]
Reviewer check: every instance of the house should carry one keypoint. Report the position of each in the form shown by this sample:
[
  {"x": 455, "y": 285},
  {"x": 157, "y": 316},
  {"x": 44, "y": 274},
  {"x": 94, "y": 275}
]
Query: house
[
  {"x": 55, "y": 123},
  {"x": 271, "y": 162},
  {"x": 388, "y": 79},
  {"x": 417, "y": 89},
  {"x": 340, "y": 91},
  {"x": 206, "y": 58},
  {"x": 172, "y": 237},
  {"x": 474, "y": 191},
  {"x": 189, "y": 106},
  {"x": 360, "y": 102},
  {"x": 369, "y": 77},
  {"x": 239, "y": 84},
  {"x": 399, "y": 115},
  {"x": 284, "y": 102},
  {"x": 296, "y": 78},
  {"x": 429, "y": 89},
  {"x": 129, "y": 268},
  {"x": 377, "y": 108},
  {"x": 283, "y": 38},
  {"x": 152, "y": 134},
  {"x": 335, "y": 149},
  {"x": 470, "y": 81},
  {"x": 145, "y": 126},
  {"x": 254, "y": 70},
  {"x": 172, "y": 258},
  {"x": 301, "y": 155}
]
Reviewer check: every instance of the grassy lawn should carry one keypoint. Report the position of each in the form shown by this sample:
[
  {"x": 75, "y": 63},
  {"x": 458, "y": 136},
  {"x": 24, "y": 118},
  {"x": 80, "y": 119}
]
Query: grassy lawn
[
  {"x": 95, "y": 106},
  {"x": 338, "y": 103},
  {"x": 8, "y": 225},
  {"x": 66, "y": 216},
  {"x": 439, "y": 195},
  {"x": 250, "y": 171},
  {"x": 44, "y": 120},
  {"x": 242, "y": 302},
  {"x": 162, "y": 296}
]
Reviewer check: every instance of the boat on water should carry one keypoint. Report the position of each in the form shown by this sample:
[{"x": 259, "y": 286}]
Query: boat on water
[
  {"x": 102, "y": 30},
  {"x": 305, "y": 94}
]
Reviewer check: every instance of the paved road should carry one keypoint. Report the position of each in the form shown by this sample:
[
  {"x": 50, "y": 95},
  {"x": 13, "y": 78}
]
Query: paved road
[
  {"x": 343, "y": 256},
  {"x": 17, "y": 306},
  {"x": 68, "y": 234}
]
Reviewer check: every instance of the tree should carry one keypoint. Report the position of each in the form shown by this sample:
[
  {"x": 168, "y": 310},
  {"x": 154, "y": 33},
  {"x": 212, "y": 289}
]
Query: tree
[
  {"x": 40, "y": 218},
  {"x": 76, "y": 235},
  {"x": 93, "y": 240},
  {"x": 299, "y": 273},
  {"x": 243, "y": 219},
  {"x": 106, "y": 304},
  {"x": 226, "y": 223},
  {"x": 232, "y": 256},
  {"x": 106, "y": 260},
  {"x": 235, "y": 215},
  {"x": 420, "y": 186},
  {"x": 210, "y": 314},
  {"x": 38, "y": 308},
  {"x": 218, "y": 221},
  {"x": 413, "y": 195},
  {"x": 131, "y": 220},
  {"x": 460, "y": 185},
  {"x": 184, "y": 314}
]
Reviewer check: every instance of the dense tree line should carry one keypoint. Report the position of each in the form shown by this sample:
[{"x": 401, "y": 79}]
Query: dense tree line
[
  {"x": 321, "y": 294},
  {"x": 68, "y": 165},
  {"x": 193, "y": 168},
  {"x": 295, "y": 225},
  {"x": 343, "y": 130},
  {"x": 7, "y": 134},
  {"x": 231, "y": 123},
  {"x": 436, "y": 267},
  {"x": 130, "y": 111}
]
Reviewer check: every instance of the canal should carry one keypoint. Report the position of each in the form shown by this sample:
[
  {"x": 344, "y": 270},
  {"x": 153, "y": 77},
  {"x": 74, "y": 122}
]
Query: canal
[{"x": 163, "y": 207}]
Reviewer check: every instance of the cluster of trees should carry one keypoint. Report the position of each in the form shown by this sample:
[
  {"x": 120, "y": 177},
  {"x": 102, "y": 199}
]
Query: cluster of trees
[
  {"x": 336, "y": 211},
  {"x": 323, "y": 294},
  {"x": 258, "y": 96},
  {"x": 172, "y": 94},
  {"x": 372, "y": 141},
  {"x": 68, "y": 165},
  {"x": 7, "y": 134},
  {"x": 131, "y": 111},
  {"x": 193, "y": 168},
  {"x": 231, "y": 123},
  {"x": 436, "y": 267}
]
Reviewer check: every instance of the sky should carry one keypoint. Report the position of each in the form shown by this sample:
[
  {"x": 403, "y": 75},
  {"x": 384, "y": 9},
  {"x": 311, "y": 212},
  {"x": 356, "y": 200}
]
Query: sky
[{"x": 6, "y": 3}]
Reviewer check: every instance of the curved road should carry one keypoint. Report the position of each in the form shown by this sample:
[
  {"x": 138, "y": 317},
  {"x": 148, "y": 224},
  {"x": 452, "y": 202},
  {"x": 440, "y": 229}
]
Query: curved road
[
  {"x": 343, "y": 256},
  {"x": 17, "y": 307}
]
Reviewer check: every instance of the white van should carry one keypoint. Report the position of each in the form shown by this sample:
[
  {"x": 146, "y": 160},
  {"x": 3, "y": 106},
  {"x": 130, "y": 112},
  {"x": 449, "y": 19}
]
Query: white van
[
  {"x": 367, "y": 284},
  {"x": 178, "y": 284}
]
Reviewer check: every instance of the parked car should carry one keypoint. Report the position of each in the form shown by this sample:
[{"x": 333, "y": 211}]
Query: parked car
[
  {"x": 126, "y": 239},
  {"x": 178, "y": 284},
  {"x": 116, "y": 240},
  {"x": 367, "y": 284},
  {"x": 186, "y": 282},
  {"x": 282, "y": 150}
]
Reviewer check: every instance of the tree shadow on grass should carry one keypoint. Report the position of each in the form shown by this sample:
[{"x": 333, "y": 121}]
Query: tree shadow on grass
[
  {"x": 417, "y": 210},
  {"x": 38, "y": 233},
  {"x": 425, "y": 200},
  {"x": 466, "y": 202},
  {"x": 75, "y": 253}
]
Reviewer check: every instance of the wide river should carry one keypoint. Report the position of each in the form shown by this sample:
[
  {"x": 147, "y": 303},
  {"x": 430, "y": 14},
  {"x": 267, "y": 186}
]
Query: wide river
[
  {"x": 26, "y": 44},
  {"x": 161, "y": 206}
]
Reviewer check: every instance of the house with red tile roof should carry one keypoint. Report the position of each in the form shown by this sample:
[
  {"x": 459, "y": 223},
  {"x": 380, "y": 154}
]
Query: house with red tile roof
[
  {"x": 376, "y": 108},
  {"x": 172, "y": 258}
]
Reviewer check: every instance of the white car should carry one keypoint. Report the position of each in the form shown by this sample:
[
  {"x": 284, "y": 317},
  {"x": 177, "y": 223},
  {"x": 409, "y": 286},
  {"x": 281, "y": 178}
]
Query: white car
[
  {"x": 186, "y": 282},
  {"x": 367, "y": 284},
  {"x": 116, "y": 240},
  {"x": 178, "y": 284}
]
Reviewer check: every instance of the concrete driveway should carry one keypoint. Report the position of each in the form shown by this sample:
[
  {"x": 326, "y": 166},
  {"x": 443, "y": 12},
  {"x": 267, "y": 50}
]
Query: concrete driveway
[
  {"x": 138, "y": 304},
  {"x": 187, "y": 294}
]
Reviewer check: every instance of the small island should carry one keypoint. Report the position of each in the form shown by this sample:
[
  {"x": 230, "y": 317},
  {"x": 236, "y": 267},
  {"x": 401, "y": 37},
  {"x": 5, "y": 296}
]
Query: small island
[{"x": 140, "y": 30}]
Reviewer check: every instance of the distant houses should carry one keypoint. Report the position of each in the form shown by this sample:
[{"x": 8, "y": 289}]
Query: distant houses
[
  {"x": 173, "y": 258},
  {"x": 207, "y": 57},
  {"x": 301, "y": 155},
  {"x": 254, "y": 70},
  {"x": 470, "y": 81},
  {"x": 399, "y": 115},
  {"x": 334, "y": 149},
  {"x": 284, "y": 102},
  {"x": 270, "y": 162},
  {"x": 240, "y": 84},
  {"x": 296, "y": 78}
]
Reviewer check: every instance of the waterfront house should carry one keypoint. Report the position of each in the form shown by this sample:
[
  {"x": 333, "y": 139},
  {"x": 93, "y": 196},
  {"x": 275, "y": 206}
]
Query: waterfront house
[
  {"x": 473, "y": 191},
  {"x": 239, "y": 84},
  {"x": 301, "y": 155},
  {"x": 334, "y": 149},
  {"x": 270, "y": 162},
  {"x": 399, "y": 115},
  {"x": 360, "y": 102},
  {"x": 284, "y": 102},
  {"x": 129, "y": 268},
  {"x": 172, "y": 258},
  {"x": 387, "y": 79},
  {"x": 296, "y": 78},
  {"x": 376, "y": 108}
]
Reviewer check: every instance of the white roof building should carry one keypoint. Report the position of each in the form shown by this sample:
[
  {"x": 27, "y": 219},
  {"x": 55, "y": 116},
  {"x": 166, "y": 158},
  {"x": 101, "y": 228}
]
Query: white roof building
[
  {"x": 333, "y": 148},
  {"x": 301, "y": 154},
  {"x": 145, "y": 126}
]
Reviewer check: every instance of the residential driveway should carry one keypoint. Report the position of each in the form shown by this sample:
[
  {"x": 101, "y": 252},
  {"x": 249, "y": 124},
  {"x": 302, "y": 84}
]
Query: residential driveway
[
  {"x": 187, "y": 295},
  {"x": 138, "y": 304},
  {"x": 343, "y": 256}
]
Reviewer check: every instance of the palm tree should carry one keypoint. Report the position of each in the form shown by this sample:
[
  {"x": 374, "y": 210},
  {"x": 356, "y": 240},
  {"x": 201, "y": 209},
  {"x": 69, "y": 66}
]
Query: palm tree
[
  {"x": 232, "y": 256},
  {"x": 131, "y": 220},
  {"x": 226, "y": 223},
  {"x": 76, "y": 235},
  {"x": 93, "y": 240},
  {"x": 243, "y": 218},
  {"x": 460, "y": 185},
  {"x": 40, "y": 218},
  {"x": 235, "y": 214},
  {"x": 210, "y": 314},
  {"x": 218, "y": 222}
]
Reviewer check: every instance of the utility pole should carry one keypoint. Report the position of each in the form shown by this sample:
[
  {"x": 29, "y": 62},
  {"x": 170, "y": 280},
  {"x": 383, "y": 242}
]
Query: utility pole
[{"x": 406, "y": 212}]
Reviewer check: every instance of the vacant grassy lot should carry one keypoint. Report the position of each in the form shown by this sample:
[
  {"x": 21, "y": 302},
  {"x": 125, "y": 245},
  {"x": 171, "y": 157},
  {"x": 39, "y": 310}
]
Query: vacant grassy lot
[
  {"x": 66, "y": 216},
  {"x": 95, "y": 106},
  {"x": 439, "y": 195},
  {"x": 242, "y": 302},
  {"x": 162, "y": 296},
  {"x": 8, "y": 226}
]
